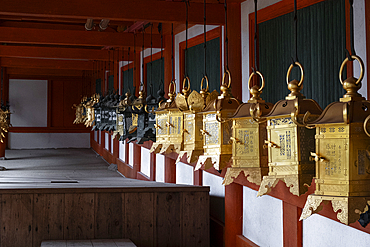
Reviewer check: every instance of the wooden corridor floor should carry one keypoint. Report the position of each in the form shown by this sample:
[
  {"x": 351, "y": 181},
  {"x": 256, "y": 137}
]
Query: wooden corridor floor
[{"x": 70, "y": 194}]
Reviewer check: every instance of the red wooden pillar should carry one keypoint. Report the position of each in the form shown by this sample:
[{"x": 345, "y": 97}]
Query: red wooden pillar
[
  {"x": 235, "y": 48},
  {"x": 153, "y": 163},
  {"x": 198, "y": 177},
  {"x": 233, "y": 213},
  {"x": 5, "y": 97},
  {"x": 169, "y": 170},
  {"x": 292, "y": 227},
  {"x": 137, "y": 159}
]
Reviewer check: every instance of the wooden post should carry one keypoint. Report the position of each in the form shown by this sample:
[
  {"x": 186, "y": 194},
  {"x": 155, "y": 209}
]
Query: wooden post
[
  {"x": 292, "y": 227},
  {"x": 233, "y": 213},
  {"x": 169, "y": 170},
  {"x": 153, "y": 163},
  {"x": 235, "y": 48},
  {"x": 137, "y": 159}
]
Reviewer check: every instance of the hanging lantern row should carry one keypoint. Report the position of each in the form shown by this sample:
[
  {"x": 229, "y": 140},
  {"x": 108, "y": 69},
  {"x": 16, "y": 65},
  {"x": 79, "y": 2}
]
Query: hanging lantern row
[{"x": 292, "y": 141}]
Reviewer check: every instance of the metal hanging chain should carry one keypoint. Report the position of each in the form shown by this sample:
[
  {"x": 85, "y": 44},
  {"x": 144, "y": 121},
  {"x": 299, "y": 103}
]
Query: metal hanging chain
[
  {"x": 118, "y": 68},
  {"x": 142, "y": 58},
  {"x": 205, "y": 40},
  {"x": 173, "y": 69},
  {"x": 255, "y": 36},
  {"x": 104, "y": 74},
  {"x": 123, "y": 73},
  {"x": 160, "y": 31},
  {"x": 186, "y": 38},
  {"x": 226, "y": 40},
  {"x": 352, "y": 39},
  {"x": 128, "y": 66},
  {"x": 295, "y": 33},
  {"x": 151, "y": 58}
]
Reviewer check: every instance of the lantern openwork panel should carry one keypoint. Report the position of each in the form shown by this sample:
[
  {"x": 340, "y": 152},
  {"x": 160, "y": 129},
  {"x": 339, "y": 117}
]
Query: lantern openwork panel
[
  {"x": 343, "y": 155},
  {"x": 289, "y": 142}
]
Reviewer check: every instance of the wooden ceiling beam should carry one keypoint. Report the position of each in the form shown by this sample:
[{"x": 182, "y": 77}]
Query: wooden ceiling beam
[
  {"x": 118, "y": 10},
  {"x": 45, "y": 63},
  {"x": 75, "y": 38},
  {"x": 60, "y": 53},
  {"x": 41, "y": 73}
]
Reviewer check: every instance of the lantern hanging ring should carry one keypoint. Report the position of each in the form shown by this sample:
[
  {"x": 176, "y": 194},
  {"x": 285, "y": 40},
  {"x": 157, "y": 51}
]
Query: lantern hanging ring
[
  {"x": 290, "y": 70},
  {"x": 365, "y": 123},
  {"x": 262, "y": 80},
  {"x": 186, "y": 79},
  {"x": 224, "y": 76},
  {"x": 201, "y": 83},
  {"x": 361, "y": 67},
  {"x": 174, "y": 87}
]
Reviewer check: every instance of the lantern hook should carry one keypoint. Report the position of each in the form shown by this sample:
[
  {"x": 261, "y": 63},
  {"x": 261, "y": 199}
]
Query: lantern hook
[
  {"x": 270, "y": 144},
  {"x": 361, "y": 63},
  {"x": 290, "y": 70},
  {"x": 365, "y": 124}
]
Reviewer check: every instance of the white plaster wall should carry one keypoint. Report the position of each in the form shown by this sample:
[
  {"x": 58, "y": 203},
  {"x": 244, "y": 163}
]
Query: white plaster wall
[
  {"x": 217, "y": 195},
  {"x": 131, "y": 154},
  {"x": 159, "y": 168},
  {"x": 247, "y": 7},
  {"x": 106, "y": 141},
  {"x": 48, "y": 140},
  {"x": 321, "y": 231},
  {"x": 263, "y": 219},
  {"x": 111, "y": 144},
  {"x": 184, "y": 174},
  {"x": 180, "y": 37},
  {"x": 360, "y": 41},
  {"x": 28, "y": 102},
  {"x": 122, "y": 150},
  {"x": 145, "y": 161}
]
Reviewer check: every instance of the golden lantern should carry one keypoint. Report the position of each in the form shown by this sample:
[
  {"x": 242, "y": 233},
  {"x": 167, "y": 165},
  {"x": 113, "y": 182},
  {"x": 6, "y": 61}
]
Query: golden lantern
[
  {"x": 90, "y": 113},
  {"x": 343, "y": 154},
  {"x": 216, "y": 130},
  {"x": 289, "y": 142},
  {"x": 248, "y": 136},
  {"x": 169, "y": 121},
  {"x": 80, "y": 114},
  {"x": 4, "y": 123},
  {"x": 191, "y": 105}
]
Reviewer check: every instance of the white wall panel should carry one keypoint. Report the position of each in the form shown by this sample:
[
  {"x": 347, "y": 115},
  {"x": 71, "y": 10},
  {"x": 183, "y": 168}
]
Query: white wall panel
[
  {"x": 262, "y": 219},
  {"x": 106, "y": 141},
  {"x": 28, "y": 103},
  {"x": 95, "y": 136},
  {"x": 145, "y": 161},
  {"x": 48, "y": 140},
  {"x": 217, "y": 195},
  {"x": 111, "y": 144},
  {"x": 360, "y": 41},
  {"x": 122, "y": 150},
  {"x": 131, "y": 154},
  {"x": 321, "y": 231},
  {"x": 159, "y": 172},
  {"x": 184, "y": 174}
]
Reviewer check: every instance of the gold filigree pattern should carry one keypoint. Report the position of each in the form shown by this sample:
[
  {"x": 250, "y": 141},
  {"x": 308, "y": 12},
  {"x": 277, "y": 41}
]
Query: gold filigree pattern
[
  {"x": 267, "y": 183},
  {"x": 312, "y": 206}
]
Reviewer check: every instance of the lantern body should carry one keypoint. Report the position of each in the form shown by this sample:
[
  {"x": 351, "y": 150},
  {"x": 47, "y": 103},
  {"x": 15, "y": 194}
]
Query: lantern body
[
  {"x": 161, "y": 118},
  {"x": 248, "y": 136},
  {"x": 289, "y": 142},
  {"x": 175, "y": 131},
  {"x": 217, "y": 133},
  {"x": 97, "y": 116}
]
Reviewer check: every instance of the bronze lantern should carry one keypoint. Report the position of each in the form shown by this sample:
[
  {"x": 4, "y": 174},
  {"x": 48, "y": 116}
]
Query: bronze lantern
[
  {"x": 216, "y": 130},
  {"x": 90, "y": 113},
  {"x": 289, "y": 142},
  {"x": 168, "y": 122},
  {"x": 248, "y": 136},
  {"x": 191, "y": 105},
  {"x": 343, "y": 154}
]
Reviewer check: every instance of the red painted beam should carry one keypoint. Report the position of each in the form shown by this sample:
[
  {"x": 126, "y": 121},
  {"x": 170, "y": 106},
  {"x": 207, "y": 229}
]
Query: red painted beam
[
  {"x": 118, "y": 10},
  {"x": 73, "y": 37},
  {"x": 53, "y": 52},
  {"x": 19, "y": 73},
  {"x": 46, "y": 63}
]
